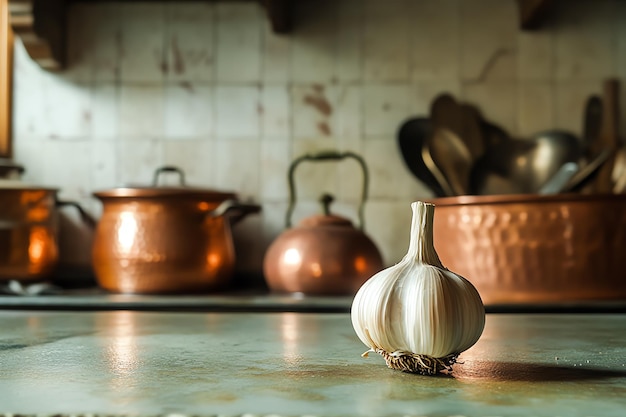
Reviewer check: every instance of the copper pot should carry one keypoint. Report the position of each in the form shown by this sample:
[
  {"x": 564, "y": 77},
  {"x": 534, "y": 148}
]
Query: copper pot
[
  {"x": 519, "y": 249},
  {"x": 323, "y": 254},
  {"x": 166, "y": 239},
  {"x": 29, "y": 249}
]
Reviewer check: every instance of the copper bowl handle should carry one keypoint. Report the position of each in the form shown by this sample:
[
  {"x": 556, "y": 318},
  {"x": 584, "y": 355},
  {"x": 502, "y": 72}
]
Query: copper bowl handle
[{"x": 326, "y": 156}]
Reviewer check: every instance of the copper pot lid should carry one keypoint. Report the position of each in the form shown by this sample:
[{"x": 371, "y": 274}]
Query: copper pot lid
[
  {"x": 157, "y": 191},
  {"x": 10, "y": 173},
  {"x": 19, "y": 185}
]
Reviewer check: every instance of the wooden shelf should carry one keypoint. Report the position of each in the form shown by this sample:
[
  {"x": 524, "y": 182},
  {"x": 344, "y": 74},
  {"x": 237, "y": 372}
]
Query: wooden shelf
[
  {"x": 6, "y": 71},
  {"x": 41, "y": 26},
  {"x": 534, "y": 13}
]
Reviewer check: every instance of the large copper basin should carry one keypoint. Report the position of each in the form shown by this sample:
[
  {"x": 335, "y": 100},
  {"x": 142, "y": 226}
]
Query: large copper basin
[{"x": 519, "y": 249}]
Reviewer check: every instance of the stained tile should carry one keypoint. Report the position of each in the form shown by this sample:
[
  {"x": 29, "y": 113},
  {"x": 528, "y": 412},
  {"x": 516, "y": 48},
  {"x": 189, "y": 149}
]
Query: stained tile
[
  {"x": 188, "y": 110},
  {"x": 313, "y": 45},
  {"x": 142, "y": 56},
  {"x": 237, "y": 166},
  {"x": 237, "y": 111},
  {"x": 349, "y": 66},
  {"x": 389, "y": 179},
  {"x": 275, "y": 158},
  {"x": 238, "y": 41},
  {"x": 275, "y": 57},
  {"x": 195, "y": 157},
  {"x": 385, "y": 58},
  {"x": 584, "y": 40},
  {"x": 103, "y": 167},
  {"x": 137, "y": 160},
  {"x": 434, "y": 39},
  {"x": 141, "y": 111},
  {"x": 105, "y": 111},
  {"x": 313, "y": 110},
  {"x": 275, "y": 109},
  {"x": 68, "y": 111},
  {"x": 536, "y": 107},
  {"x": 392, "y": 235},
  {"x": 384, "y": 107},
  {"x": 74, "y": 180},
  {"x": 28, "y": 152},
  {"x": 190, "y": 37},
  {"x": 349, "y": 115},
  {"x": 536, "y": 54},
  {"x": 488, "y": 40}
]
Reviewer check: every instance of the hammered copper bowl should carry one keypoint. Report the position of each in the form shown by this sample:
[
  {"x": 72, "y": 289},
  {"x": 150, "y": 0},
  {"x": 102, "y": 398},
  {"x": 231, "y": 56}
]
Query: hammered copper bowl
[{"x": 529, "y": 249}]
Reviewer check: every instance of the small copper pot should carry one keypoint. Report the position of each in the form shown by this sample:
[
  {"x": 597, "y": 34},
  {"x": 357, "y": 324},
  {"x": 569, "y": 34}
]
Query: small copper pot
[
  {"x": 520, "y": 249},
  {"x": 166, "y": 239},
  {"x": 29, "y": 249},
  {"x": 323, "y": 254}
]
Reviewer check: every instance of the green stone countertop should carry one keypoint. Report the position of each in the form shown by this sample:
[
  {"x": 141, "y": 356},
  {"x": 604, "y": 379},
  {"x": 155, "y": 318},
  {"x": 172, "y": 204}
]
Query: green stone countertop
[{"x": 291, "y": 364}]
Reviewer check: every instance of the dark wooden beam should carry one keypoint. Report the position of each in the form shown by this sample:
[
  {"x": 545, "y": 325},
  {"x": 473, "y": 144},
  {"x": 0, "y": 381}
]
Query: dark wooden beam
[
  {"x": 41, "y": 26},
  {"x": 280, "y": 15},
  {"x": 533, "y": 13}
]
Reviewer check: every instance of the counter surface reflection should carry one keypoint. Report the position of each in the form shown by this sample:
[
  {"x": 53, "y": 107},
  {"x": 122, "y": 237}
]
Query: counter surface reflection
[{"x": 154, "y": 363}]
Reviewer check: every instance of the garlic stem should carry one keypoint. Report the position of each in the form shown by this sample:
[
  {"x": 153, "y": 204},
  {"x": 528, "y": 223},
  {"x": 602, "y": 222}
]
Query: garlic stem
[{"x": 421, "y": 247}]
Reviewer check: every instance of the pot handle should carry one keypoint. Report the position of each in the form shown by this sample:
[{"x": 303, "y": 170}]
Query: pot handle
[
  {"x": 7, "y": 168},
  {"x": 327, "y": 156},
  {"x": 168, "y": 168},
  {"x": 85, "y": 217},
  {"x": 235, "y": 210}
]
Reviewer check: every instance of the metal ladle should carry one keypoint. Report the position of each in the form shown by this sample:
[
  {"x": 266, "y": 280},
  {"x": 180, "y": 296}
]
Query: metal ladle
[{"x": 450, "y": 161}]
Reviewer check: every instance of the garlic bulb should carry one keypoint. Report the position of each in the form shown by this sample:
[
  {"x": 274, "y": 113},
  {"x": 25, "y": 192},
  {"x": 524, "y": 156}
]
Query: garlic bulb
[{"x": 417, "y": 314}]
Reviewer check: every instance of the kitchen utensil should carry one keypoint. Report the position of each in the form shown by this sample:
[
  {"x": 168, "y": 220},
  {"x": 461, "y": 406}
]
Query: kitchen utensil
[
  {"x": 29, "y": 229},
  {"x": 411, "y": 137},
  {"x": 472, "y": 135},
  {"x": 493, "y": 134},
  {"x": 159, "y": 239},
  {"x": 558, "y": 181},
  {"x": 524, "y": 164},
  {"x": 608, "y": 136},
  {"x": 620, "y": 183},
  {"x": 452, "y": 158},
  {"x": 521, "y": 249},
  {"x": 427, "y": 156},
  {"x": 588, "y": 172},
  {"x": 323, "y": 254},
  {"x": 462, "y": 119},
  {"x": 592, "y": 121}
]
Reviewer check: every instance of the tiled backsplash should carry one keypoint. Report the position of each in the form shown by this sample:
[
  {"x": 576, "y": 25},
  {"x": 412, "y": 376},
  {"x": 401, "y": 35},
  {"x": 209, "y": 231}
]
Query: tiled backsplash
[{"x": 209, "y": 87}]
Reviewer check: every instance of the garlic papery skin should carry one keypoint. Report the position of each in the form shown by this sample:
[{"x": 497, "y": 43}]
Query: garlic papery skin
[{"x": 417, "y": 314}]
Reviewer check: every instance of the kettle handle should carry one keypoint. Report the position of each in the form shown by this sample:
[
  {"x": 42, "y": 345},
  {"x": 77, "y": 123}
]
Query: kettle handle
[{"x": 328, "y": 155}]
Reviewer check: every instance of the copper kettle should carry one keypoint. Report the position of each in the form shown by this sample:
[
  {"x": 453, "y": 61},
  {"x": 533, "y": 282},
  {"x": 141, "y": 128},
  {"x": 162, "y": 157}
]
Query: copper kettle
[{"x": 324, "y": 254}]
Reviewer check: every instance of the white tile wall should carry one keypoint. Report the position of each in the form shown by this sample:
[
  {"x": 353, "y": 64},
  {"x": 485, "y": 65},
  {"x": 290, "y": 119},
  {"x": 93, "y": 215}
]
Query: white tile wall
[{"x": 209, "y": 87}]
